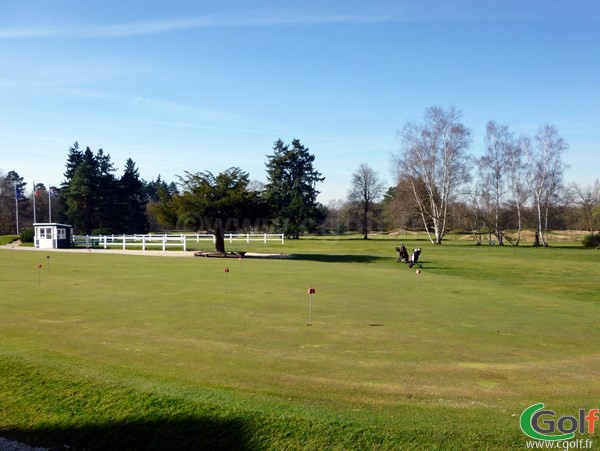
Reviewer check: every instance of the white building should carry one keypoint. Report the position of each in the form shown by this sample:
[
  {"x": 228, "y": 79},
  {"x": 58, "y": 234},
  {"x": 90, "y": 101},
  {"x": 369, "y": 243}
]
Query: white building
[{"x": 52, "y": 235}]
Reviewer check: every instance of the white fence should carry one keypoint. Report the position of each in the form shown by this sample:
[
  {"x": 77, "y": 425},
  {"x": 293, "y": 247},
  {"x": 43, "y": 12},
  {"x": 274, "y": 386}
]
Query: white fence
[{"x": 168, "y": 240}]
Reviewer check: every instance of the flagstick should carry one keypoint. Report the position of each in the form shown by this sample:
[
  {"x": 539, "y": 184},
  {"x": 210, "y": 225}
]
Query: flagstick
[{"x": 311, "y": 291}]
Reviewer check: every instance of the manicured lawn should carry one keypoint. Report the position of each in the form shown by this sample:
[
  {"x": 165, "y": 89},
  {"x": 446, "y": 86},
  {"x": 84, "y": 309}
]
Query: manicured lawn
[
  {"x": 155, "y": 353},
  {"x": 7, "y": 239}
]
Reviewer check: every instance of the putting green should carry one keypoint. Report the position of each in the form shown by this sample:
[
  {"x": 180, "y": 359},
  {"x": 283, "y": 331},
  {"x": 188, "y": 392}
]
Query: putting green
[{"x": 447, "y": 357}]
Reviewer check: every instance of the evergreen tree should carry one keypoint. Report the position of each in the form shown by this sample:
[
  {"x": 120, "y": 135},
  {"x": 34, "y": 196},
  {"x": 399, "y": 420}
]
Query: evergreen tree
[
  {"x": 107, "y": 195},
  {"x": 132, "y": 201},
  {"x": 291, "y": 188},
  {"x": 81, "y": 193},
  {"x": 218, "y": 204}
]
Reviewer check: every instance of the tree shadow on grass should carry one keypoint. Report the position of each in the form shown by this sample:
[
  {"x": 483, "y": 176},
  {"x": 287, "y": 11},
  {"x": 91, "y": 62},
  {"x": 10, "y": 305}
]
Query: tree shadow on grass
[
  {"x": 176, "y": 433},
  {"x": 341, "y": 258}
]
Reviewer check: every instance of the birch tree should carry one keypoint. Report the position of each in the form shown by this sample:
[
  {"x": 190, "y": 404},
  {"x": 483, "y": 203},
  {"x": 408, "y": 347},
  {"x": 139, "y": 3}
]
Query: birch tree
[
  {"x": 545, "y": 172},
  {"x": 493, "y": 170},
  {"x": 517, "y": 179},
  {"x": 434, "y": 153}
]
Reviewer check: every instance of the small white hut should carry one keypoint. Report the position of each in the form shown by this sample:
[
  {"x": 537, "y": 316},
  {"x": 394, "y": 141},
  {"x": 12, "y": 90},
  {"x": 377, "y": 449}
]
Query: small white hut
[{"x": 51, "y": 235}]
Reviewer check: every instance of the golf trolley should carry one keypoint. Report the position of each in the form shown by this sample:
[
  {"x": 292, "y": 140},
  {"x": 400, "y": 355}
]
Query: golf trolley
[
  {"x": 403, "y": 256},
  {"x": 414, "y": 259}
]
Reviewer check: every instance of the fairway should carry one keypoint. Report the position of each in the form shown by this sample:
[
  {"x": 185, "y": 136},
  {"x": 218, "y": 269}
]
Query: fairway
[{"x": 121, "y": 350}]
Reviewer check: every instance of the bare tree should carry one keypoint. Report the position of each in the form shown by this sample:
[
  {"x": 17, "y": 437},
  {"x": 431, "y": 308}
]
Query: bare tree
[
  {"x": 545, "y": 172},
  {"x": 587, "y": 198},
  {"x": 493, "y": 170},
  {"x": 365, "y": 191},
  {"x": 434, "y": 153},
  {"x": 517, "y": 179}
]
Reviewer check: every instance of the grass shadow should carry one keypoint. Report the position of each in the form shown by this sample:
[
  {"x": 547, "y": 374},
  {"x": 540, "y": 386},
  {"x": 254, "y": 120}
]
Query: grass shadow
[
  {"x": 340, "y": 258},
  {"x": 168, "y": 433}
]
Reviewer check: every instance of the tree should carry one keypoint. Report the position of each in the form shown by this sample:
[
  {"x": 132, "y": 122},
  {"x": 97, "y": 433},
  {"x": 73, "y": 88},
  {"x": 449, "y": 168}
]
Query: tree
[
  {"x": 80, "y": 193},
  {"x": 366, "y": 189},
  {"x": 434, "y": 153},
  {"x": 587, "y": 198},
  {"x": 291, "y": 187},
  {"x": 517, "y": 180},
  {"x": 89, "y": 191},
  {"x": 40, "y": 203},
  {"x": 160, "y": 207},
  {"x": 217, "y": 204},
  {"x": 14, "y": 205},
  {"x": 493, "y": 171},
  {"x": 544, "y": 172},
  {"x": 132, "y": 201},
  {"x": 7, "y": 205}
]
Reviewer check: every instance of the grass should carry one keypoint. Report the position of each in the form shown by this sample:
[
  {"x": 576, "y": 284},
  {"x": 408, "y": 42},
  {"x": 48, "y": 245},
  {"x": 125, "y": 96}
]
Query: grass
[
  {"x": 141, "y": 352},
  {"x": 7, "y": 239}
]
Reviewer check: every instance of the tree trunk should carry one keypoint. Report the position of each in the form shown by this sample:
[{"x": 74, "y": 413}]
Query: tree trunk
[
  {"x": 219, "y": 242},
  {"x": 519, "y": 221},
  {"x": 219, "y": 233}
]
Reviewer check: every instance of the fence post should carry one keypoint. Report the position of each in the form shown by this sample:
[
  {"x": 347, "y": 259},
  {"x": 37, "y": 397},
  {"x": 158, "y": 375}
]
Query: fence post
[
  {"x": 282, "y": 238},
  {"x": 165, "y": 242},
  {"x": 184, "y": 242},
  {"x": 143, "y": 242},
  {"x": 265, "y": 238},
  {"x": 124, "y": 245}
]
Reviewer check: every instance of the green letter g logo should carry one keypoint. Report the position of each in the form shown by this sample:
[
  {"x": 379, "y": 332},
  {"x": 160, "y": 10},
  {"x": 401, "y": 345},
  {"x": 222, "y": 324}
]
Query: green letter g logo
[{"x": 529, "y": 424}]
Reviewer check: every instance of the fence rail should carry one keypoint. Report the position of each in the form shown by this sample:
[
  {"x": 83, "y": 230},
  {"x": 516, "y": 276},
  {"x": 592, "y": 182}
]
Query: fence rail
[{"x": 164, "y": 241}]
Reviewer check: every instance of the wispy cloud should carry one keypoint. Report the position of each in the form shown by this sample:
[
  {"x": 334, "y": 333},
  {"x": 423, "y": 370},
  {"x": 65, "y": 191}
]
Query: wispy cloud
[
  {"x": 143, "y": 28},
  {"x": 376, "y": 11}
]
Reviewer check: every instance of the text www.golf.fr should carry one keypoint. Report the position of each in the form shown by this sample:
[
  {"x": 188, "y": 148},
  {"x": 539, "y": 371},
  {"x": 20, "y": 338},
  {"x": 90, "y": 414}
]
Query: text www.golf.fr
[{"x": 566, "y": 444}]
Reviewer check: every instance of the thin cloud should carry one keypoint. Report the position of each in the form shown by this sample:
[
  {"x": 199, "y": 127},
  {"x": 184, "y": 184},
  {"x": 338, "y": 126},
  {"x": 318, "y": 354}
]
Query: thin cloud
[
  {"x": 375, "y": 12},
  {"x": 144, "y": 28}
]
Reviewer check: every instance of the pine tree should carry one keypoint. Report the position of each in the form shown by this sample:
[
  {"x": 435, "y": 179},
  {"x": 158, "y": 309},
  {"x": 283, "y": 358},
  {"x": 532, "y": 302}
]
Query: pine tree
[
  {"x": 291, "y": 188},
  {"x": 132, "y": 201}
]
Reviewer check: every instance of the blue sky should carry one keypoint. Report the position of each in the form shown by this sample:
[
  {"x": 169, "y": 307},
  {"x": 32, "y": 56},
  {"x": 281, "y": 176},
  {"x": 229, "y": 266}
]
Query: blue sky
[{"x": 203, "y": 85}]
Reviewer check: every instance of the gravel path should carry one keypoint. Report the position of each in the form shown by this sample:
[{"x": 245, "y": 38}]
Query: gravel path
[{"x": 103, "y": 251}]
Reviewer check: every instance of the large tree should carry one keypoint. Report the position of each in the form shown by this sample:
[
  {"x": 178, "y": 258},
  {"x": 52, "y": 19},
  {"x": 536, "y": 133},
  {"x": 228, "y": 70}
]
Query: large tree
[
  {"x": 365, "y": 191},
  {"x": 517, "y": 180},
  {"x": 80, "y": 191},
  {"x": 132, "y": 200},
  {"x": 493, "y": 168},
  {"x": 291, "y": 187},
  {"x": 545, "y": 172},
  {"x": 93, "y": 198},
  {"x": 15, "y": 212},
  {"x": 587, "y": 198},
  {"x": 434, "y": 153},
  {"x": 218, "y": 204}
]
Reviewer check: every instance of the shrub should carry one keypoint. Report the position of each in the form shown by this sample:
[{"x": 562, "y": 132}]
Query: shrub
[
  {"x": 27, "y": 235},
  {"x": 591, "y": 241},
  {"x": 101, "y": 231}
]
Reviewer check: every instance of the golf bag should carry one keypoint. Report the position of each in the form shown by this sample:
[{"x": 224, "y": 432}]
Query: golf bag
[
  {"x": 414, "y": 259},
  {"x": 402, "y": 254}
]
